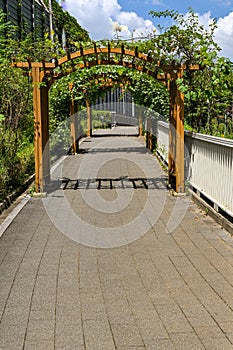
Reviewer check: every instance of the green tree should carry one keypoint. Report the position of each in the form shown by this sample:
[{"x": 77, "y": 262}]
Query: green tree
[
  {"x": 16, "y": 117},
  {"x": 185, "y": 41},
  {"x": 208, "y": 92}
]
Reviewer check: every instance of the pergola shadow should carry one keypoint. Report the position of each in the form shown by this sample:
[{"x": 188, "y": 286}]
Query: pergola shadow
[{"x": 109, "y": 183}]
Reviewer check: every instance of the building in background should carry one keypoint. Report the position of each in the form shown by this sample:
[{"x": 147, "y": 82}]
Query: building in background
[
  {"x": 27, "y": 15},
  {"x": 34, "y": 16}
]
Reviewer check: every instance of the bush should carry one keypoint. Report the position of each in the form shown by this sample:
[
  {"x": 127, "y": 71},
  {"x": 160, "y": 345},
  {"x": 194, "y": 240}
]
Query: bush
[{"x": 16, "y": 161}]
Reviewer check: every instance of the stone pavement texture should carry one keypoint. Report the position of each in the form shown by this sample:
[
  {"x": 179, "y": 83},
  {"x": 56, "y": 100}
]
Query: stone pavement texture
[{"x": 64, "y": 288}]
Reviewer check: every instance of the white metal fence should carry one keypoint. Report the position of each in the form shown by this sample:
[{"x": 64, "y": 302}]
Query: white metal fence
[{"x": 208, "y": 165}]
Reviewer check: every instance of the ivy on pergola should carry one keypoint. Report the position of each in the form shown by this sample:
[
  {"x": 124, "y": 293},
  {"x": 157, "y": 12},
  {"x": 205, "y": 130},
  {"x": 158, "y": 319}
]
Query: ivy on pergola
[{"x": 44, "y": 74}]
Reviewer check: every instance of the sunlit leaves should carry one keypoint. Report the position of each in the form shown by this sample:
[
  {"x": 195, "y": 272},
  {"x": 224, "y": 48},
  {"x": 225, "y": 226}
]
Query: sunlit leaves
[{"x": 186, "y": 40}]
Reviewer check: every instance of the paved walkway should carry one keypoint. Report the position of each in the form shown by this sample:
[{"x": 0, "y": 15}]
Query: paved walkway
[{"x": 79, "y": 271}]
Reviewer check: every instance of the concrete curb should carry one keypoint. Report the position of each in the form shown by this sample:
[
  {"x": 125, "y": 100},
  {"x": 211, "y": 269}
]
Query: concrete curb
[
  {"x": 6, "y": 223},
  {"x": 13, "y": 196},
  {"x": 222, "y": 221}
]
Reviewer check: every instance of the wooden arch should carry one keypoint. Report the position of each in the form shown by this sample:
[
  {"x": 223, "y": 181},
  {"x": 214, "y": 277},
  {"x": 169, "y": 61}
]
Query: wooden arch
[{"x": 45, "y": 73}]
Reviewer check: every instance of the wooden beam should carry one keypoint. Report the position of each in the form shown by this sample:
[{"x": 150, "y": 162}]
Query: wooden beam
[
  {"x": 176, "y": 136},
  {"x": 149, "y": 134},
  {"x": 73, "y": 124},
  {"x": 108, "y": 50},
  {"x": 41, "y": 131},
  {"x": 180, "y": 187},
  {"x": 37, "y": 124},
  {"x": 140, "y": 127},
  {"x": 45, "y": 179}
]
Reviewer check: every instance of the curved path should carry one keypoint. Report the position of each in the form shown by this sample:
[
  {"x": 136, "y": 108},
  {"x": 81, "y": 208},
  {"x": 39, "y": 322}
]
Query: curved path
[{"x": 79, "y": 271}]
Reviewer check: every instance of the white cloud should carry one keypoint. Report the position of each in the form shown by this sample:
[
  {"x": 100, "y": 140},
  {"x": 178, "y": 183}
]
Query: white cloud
[
  {"x": 136, "y": 25},
  {"x": 205, "y": 19},
  {"x": 156, "y": 2},
  {"x": 94, "y": 15},
  {"x": 224, "y": 35},
  {"x": 226, "y": 3},
  {"x": 99, "y": 18}
]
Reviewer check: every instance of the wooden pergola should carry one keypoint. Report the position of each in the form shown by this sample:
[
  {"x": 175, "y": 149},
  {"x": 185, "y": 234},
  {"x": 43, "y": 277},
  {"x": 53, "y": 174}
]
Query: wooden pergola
[{"x": 45, "y": 73}]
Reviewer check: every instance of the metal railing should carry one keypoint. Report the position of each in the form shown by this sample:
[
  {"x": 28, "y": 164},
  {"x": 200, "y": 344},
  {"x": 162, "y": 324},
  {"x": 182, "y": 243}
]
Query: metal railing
[{"x": 208, "y": 165}]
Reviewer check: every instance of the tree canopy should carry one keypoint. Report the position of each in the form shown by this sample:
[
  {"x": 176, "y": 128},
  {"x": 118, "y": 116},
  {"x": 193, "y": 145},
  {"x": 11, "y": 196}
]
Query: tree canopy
[{"x": 208, "y": 92}]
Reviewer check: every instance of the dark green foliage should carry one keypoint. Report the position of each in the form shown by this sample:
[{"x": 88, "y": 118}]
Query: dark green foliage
[
  {"x": 74, "y": 32},
  {"x": 209, "y": 91}
]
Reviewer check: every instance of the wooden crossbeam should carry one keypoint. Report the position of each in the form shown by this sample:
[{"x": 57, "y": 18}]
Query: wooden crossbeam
[{"x": 108, "y": 50}]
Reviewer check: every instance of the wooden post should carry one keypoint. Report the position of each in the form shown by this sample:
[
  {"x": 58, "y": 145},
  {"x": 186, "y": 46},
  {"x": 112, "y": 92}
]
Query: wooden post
[
  {"x": 148, "y": 135},
  {"x": 176, "y": 136},
  {"x": 73, "y": 124},
  {"x": 44, "y": 91},
  {"x": 180, "y": 187},
  {"x": 89, "y": 119},
  {"x": 41, "y": 131},
  {"x": 140, "y": 127},
  {"x": 37, "y": 124}
]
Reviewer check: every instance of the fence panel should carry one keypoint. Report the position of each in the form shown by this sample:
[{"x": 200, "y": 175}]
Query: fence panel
[
  {"x": 163, "y": 140},
  {"x": 208, "y": 165},
  {"x": 3, "y": 5},
  {"x": 39, "y": 20},
  {"x": 27, "y": 15},
  {"x": 211, "y": 168},
  {"x": 13, "y": 12},
  {"x": 125, "y": 120}
]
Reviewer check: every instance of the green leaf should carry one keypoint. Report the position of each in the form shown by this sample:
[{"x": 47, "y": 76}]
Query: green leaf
[{"x": 2, "y": 118}]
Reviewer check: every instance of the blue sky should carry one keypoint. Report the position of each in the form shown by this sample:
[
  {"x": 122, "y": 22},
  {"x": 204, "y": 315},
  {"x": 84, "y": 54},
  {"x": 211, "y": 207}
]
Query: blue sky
[
  {"x": 217, "y": 8},
  {"x": 101, "y": 18}
]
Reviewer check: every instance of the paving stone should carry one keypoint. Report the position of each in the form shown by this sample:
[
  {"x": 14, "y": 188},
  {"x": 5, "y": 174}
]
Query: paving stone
[
  {"x": 208, "y": 332},
  {"x": 40, "y": 345},
  {"x": 160, "y": 344},
  {"x": 173, "y": 319},
  {"x": 127, "y": 335},
  {"x": 97, "y": 335},
  {"x": 217, "y": 344},
  {"x": 69, "y": 337},
  {"x": 152, "y": 329},
  {"x": 161, "y": 291},
  {"x": 184, "y": 341},
  {"x": 12, "y": 334}
]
